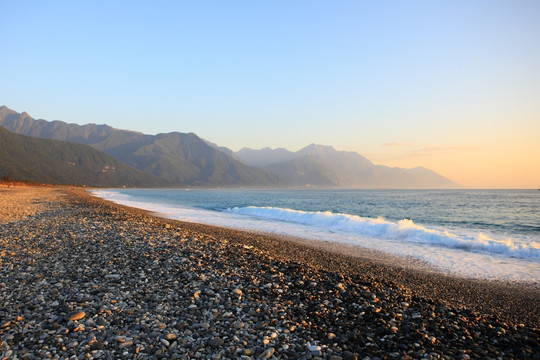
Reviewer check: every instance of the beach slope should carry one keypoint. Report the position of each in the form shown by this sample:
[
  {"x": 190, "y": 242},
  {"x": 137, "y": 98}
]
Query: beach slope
[{"x": 85, "y": 277}]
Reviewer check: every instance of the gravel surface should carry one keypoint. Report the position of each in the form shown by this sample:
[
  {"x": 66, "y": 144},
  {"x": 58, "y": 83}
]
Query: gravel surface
[
  {"x": 19, "y": 202},
  {"x": 81, "y": 278}
]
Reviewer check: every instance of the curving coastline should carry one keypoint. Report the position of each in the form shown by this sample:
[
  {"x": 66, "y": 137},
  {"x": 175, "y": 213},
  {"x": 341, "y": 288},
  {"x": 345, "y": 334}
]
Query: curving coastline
[{"x": 82, "y": 276}]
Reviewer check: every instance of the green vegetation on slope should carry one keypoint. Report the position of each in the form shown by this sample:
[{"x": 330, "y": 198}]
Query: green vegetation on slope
[{"x": 59, "y": 162}]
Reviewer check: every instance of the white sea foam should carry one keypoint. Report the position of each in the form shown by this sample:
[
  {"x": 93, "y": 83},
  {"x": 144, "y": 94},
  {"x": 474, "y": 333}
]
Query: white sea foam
[
  {"x": 404, "y": 230},
  {"x": 459, "y": 251}
]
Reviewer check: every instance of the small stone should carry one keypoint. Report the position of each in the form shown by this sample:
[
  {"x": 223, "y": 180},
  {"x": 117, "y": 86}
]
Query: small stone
[
  {"x": 341, "y": 287},
  {"x": 131, "y": 311},
  {"x": 120, "y": 339},
  {"x": 314, "y": 349},
  {"x": 267, "y": 354},
  {"x": 215, "y": 342},
  {"x": 248, "y": 352},
  {"x": 260, "y": 325},
  {"x": 165, "y": 342},
  {"x": 238, "y": 324},
  {"x": 126, "y": 344},
  {"x": 171, "y": 336},
  {"x": 78, "y": 315},
  {"x": 237, "y": 291},
  {"x": 91, "y": 340}
]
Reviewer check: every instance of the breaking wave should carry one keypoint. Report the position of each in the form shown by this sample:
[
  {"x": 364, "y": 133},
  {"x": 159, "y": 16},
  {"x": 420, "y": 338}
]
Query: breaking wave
[{"x": 404, "y": 230}]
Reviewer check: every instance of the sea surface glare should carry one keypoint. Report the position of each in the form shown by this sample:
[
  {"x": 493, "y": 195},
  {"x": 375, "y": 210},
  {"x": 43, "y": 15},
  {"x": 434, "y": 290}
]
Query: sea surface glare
[{"x": 488, "y": 234}]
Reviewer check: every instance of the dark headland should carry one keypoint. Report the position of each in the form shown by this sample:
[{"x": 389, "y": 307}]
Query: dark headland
[{"x": 83, "y": 278}]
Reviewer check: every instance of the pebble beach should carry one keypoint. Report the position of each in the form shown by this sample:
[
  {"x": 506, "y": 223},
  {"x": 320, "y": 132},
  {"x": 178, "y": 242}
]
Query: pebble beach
[{"x": 83, "y": 278}]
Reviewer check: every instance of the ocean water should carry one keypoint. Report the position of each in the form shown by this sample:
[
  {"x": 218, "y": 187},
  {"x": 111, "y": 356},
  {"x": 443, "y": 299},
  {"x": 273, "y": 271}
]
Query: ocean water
[{"x": 488, "y": 234}]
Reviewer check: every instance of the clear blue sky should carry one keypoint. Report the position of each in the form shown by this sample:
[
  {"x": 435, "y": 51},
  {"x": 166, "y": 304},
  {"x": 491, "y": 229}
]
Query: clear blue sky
[{"x": 405, "y": 83}]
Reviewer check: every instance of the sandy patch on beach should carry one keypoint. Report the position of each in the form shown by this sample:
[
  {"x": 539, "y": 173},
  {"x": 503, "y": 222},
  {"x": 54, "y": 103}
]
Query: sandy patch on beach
[{"x": 19, "y": 202}]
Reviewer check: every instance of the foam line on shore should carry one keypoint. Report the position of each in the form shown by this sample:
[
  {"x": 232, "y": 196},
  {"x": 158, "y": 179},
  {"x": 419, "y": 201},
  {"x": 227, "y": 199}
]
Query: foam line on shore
[
  {"x": 449, "y": 260},
  {"x": 403, "y": 230}
]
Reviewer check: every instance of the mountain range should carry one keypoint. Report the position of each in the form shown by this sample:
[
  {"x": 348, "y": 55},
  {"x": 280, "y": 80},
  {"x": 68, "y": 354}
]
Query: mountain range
[
  {"x": 181, "y": 159},
  {"x": 324, "y": 166},
  {"x": 60, "y": 162}
]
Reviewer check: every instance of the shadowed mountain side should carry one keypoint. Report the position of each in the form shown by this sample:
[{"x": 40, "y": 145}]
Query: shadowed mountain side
[
  {"x": 225, "y": 150},
  {"x": 60, "y": 162},
  {"x": 186, "y": 159},
  {"x": 182, "y": 159},
  {"x": 323, "y": 166}
]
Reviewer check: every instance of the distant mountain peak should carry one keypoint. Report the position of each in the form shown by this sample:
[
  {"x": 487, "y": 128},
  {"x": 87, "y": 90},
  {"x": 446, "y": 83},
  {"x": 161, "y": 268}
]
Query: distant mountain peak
[
  {"x": 324, "y": 166},
  {"x": 316, "y": 148},
  {"x": 4, "y": 110},
  {"x": 319, "y": 147}
]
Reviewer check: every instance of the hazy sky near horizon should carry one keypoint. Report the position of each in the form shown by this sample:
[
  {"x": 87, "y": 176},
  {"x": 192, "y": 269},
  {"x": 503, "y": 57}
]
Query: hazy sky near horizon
[{"x": 450, "y": 85}]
